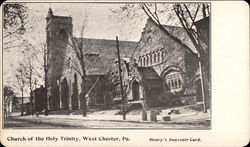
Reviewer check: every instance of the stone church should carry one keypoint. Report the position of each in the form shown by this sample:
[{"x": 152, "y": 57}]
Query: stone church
[
  {"x": 64, "y": 69},
  {"x": 163, "y": 71},
  {"x": 158, "y": 70}
]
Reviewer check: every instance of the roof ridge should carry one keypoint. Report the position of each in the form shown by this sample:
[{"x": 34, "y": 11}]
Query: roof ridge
[{"x": 104, "y": 39}]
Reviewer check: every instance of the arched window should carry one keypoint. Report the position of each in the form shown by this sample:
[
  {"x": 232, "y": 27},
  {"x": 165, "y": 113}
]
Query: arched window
[
  {"x": 151, "y": 59},
  {"x": 158, "y": 56},
  {"x": 162, "y": 54},
  {"x": 147, "y": 60},
  {"x": 174, "y": 81},
  {"x": 144, "y": 60},
  {"x": 140, "y": 62},
  {"x": 154, "y": 57}
]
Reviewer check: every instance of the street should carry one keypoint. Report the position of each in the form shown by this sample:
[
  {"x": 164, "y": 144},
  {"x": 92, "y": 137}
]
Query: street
[
  {"x": 52, "y": 123},
  {"x": 15, "y": 123}
]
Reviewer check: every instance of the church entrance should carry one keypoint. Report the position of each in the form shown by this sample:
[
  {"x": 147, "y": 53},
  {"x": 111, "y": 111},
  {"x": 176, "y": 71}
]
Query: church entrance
[
  {"x": 75, "y": 94},
  {"x": 198, "y": 91},
  {"x": 135, "y": 90},
  {"x": 65, "y": 94}
]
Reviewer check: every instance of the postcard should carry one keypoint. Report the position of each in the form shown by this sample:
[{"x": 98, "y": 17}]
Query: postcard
[{"x": 125, "y": 73}]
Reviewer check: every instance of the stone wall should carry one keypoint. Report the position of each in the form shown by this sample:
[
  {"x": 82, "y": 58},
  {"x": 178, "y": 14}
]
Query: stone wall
[
  {"x": 173, "y": 57},
  {"x": 58, "y": 29}
]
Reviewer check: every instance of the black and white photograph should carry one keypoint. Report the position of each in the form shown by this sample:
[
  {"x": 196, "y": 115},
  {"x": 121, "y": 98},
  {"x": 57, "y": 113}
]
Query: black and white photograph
[
  {"x": 106, "y": 65},
  {"x": 124, "y": 73}
]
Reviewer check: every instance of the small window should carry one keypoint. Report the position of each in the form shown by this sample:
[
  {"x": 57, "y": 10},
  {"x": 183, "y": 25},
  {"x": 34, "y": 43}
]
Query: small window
[
  {"x": 149, "y": 40},
  {"x": 62, "y": 35}
]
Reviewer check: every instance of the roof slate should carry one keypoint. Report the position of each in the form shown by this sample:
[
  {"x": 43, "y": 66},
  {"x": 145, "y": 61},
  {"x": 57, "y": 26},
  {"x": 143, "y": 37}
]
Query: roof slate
[
  {"x": 181, "y": 34},
  {"x": 106, "y": 50}
]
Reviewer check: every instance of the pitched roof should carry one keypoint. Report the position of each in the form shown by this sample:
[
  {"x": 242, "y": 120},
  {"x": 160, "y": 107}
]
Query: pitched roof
[
  {"x": 95, "y": 81},
  {"x": 106, "y": 50},
  {"x": 148, "y": 73},
  {"x": 176, "y": 33},
  {"x": 180, "y": 34}
]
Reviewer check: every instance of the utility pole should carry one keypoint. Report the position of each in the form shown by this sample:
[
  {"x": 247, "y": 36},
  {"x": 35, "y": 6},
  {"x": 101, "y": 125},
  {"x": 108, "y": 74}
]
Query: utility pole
[
  {"x": 204, "y": 96},
  {"x": 120, "y": 75}
]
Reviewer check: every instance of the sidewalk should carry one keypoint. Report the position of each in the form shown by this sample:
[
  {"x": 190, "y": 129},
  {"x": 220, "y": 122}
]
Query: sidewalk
[{"x": 192, "y": 118}]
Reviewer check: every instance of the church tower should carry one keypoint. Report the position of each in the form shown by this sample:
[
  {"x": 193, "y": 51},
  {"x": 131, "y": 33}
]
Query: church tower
[{"x": 57, "y": 31}]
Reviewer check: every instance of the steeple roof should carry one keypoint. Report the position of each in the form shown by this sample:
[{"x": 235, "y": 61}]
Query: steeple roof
[{"x": 50, "y": 13}]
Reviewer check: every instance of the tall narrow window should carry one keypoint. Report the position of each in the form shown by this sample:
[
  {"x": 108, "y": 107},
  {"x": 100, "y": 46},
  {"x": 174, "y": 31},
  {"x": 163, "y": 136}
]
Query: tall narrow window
[
  {"x": 144, "y": 60},
  {"x": 154, "y": 57},
  {"x": 140, "y": 62},
  {"x": 147, "y": 60},
  {"x": 151, "y": 59},
  {"x": 158, "y": 57},
  {"x": 179, "y": 83},
  {"x": 162, "y": 55}
]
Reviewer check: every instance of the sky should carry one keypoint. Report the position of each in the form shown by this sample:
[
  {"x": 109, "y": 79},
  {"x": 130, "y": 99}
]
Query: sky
[{"x": 101, "y": 23}]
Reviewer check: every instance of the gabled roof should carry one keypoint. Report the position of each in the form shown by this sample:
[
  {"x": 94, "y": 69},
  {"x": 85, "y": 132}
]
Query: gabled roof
[
  {"x": 95, "y": 81},
  {"x": 148, "y": 73},
  {"x": 107, "y": 52},
  {"x": 176, "y": 33},
  {"x": 180, "y": 34}
]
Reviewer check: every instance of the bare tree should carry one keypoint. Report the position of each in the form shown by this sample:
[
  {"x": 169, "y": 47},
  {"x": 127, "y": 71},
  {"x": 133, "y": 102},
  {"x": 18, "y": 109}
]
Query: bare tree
[
  {"x": 38, "y": 65},
  {"x": 21, "y": 82},
  {"x": 14, "y": 24},
  {"x": 9, "y": 96},
  {"x": 186, "y": 15},
  {"x": 188, "y": 18},
  {"x": 78, "y": 47}
]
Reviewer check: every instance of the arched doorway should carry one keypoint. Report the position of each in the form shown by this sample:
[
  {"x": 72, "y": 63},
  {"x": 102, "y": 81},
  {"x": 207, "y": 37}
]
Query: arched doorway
[
  {"x": 135, "y": 90},
  {"x": 75, "y": 94},
  {"x": 198, "y": 91},
  {"x": 65, "y": 94},
  {"x": 56, "y": 98}
]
